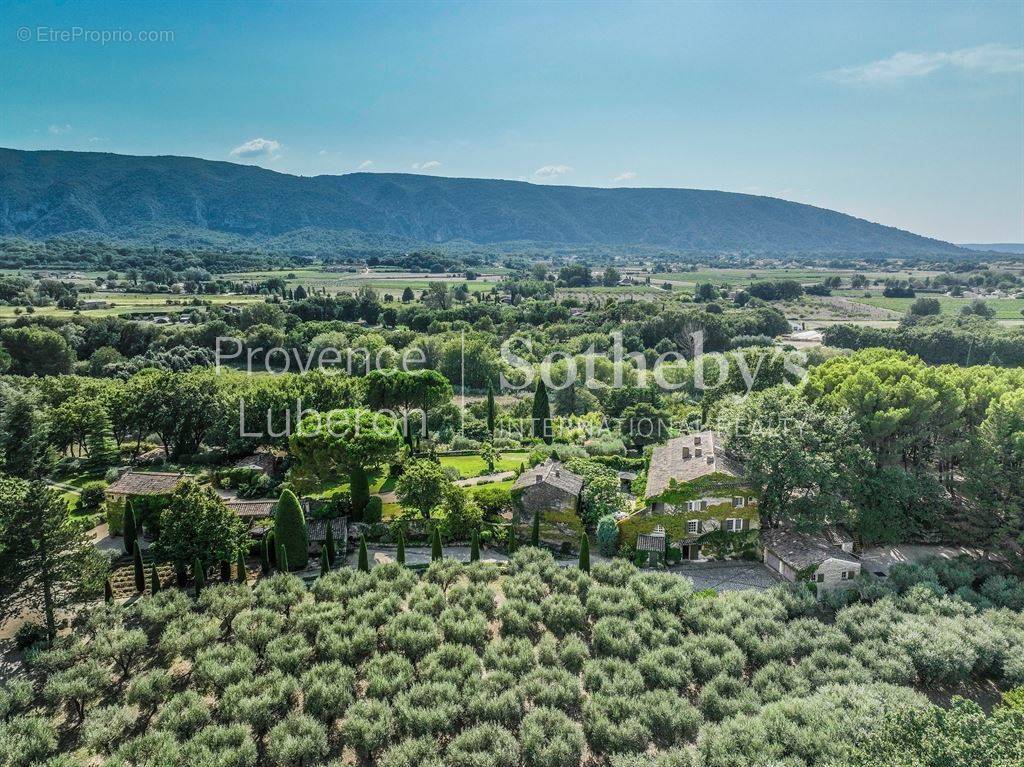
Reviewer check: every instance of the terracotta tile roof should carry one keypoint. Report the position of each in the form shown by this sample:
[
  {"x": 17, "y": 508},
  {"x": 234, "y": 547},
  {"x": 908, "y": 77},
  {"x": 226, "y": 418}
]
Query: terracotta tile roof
[
  {"x": 260, "y": 508},
  {"x": 146, "y": 483},
  {"x": 800, "y": 550},
  {"x": 678, "y": 459},
  {"x": 551, "y": 473}
]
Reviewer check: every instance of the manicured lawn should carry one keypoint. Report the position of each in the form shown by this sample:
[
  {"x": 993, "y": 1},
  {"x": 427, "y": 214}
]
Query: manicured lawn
[{"x": 474, "y": 465}]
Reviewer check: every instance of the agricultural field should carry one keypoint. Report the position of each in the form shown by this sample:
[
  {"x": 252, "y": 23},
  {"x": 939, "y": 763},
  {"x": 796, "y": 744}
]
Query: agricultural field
[
  {"x": 127, "y": 304},
  {"x": 529, "y": 664},
  {"x": 1006, "y": 308}
]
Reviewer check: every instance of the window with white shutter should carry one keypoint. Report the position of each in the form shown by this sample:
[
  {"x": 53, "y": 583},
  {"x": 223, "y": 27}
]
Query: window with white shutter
[{"x": 693, "y": 526}]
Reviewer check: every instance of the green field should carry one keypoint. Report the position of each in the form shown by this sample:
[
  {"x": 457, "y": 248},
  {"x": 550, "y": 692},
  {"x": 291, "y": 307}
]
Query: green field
[
  {"x": 474, "y": 465},
  {"x": 132, "y": 303},
  {"x": 1006, "y": 308}
]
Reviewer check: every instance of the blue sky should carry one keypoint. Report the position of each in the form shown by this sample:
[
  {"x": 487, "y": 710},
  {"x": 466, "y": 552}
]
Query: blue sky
[{"x": 907, "y": 114}]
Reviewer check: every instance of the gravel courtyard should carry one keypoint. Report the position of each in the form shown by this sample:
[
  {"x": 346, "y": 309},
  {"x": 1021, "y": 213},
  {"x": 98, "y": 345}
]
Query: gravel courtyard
[{"x": 728, "y": 576}]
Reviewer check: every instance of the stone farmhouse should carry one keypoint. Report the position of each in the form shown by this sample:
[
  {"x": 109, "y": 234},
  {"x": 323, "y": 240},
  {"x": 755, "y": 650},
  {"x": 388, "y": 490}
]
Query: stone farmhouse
[
  {"x": 551, "y": 490},
  {"x": 696, "y": 494}
]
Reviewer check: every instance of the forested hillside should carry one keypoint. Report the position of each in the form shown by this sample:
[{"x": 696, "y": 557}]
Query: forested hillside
[{"x": 188, "y": 200}]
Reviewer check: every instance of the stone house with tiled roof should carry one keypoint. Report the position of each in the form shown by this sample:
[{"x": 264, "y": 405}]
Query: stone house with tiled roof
[
  {"x": 825, "y": 559},
  {"x": 551, "y": 490},
  {"x": 697, "y": 493},
  {"x": 144, "y": 483}
]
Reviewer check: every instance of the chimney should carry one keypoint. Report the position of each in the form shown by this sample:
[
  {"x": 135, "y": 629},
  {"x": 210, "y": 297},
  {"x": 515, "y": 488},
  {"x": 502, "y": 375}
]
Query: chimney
[
  {"x": 539, "y": 479},
  {"x": 698, "y": 452},
  {"x": 696, "y": 439},
  {"x": 558, "y": 472},
  {"x": 711, "y": 459},
  {"x": 686, "y": 452}
]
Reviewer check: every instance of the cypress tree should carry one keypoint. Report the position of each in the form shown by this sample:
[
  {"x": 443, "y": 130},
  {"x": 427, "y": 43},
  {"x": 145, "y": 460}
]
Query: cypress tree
[
  {"x": 180, "y": 574},
  {"x": 272, "y": 548},
  {"x": 364, "y": 558},
  {"x": 225, "y": 571},
  {"x": 542, "y": 413},
  {"x": 140, "y": 572},
  {"x": 265, "y": 555},
  {"x": 325, "y": 565},
  {"x": 282, "y": 559},
  {"x": 535, "y": 532},
  {"x": 154, "y": 578},
  {"x": 240, "y": 576},
  {"x": 584, "y": 552},
  {"x": 436, "y": 554},
  {"x": 131, "y": 533},
  {"x": 108, "y": 591},
  {"x": 329, "y": 546},
  {"x": 198, "y": 575},
  {"x": 490, "y": 410},
  {"x": 400, "y": 553},
  {"x": 100, "y": 444},
  {"x": 290, "y": 530},
  {"x": 511, "y": 538},
  {"x": 474, "y": 548}
]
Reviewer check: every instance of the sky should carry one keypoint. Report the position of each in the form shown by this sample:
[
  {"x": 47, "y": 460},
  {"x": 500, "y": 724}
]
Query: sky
[{"x": 908, "y": 114}]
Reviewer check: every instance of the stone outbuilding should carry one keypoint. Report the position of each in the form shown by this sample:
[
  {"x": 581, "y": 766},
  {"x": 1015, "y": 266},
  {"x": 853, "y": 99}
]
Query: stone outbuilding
[{"x": 825, "y": 559}]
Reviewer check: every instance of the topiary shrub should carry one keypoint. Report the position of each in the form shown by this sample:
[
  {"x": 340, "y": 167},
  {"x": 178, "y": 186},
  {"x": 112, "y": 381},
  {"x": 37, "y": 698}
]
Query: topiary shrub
[{"x": 290, "y": 530}]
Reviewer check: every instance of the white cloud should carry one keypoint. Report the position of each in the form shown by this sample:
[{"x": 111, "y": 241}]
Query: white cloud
[
  {"x": 428, "y": 165},
  {"x": 552, "y": 171},
  {"x": 365, "y": 165},
  {"x": 257, "y": 147},
  {"x": 57, "y": 130},
  {"x": 993, "y": 58},
  {"x": 625, "y": 176}
]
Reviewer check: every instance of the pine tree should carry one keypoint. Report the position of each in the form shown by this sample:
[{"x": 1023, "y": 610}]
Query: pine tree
[
  {"x": 130, "y": 528},
  {"x": 474, "y": 548},
  {"x": 108, "y": 591},
  {"x": 535, "y": 532},
  {"x": 154, "y": 578},
  {"x": 584, "y": 552},
  {"x": 364, "y": 558},
  {"x": 400, "y": 552},
  {"x": 512, "y": 538},
  {"x": 241, "y": 575},
  {"x": 436, "y": 554},
  {"x": 140, "y": 572},
  {"x": 290, "y": 530},
  {"x": 265, "y": 555},
  {"x": 325, "y": 565},
  {"x": 282, "y": 559},
  {"x": 542, "y": 413},
  {"x": 329, "y": 546},
  {"x": 490, "y": 410},
  {"x": 198, "y": 575}
]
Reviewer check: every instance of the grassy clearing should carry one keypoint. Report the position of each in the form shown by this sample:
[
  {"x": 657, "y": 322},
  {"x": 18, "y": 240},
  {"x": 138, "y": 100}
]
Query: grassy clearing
[{"x": 475, "y": 466}]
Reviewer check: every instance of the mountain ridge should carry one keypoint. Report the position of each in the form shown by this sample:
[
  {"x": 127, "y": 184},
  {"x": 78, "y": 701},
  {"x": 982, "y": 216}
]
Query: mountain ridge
[{"x": 53, "y": 193}]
